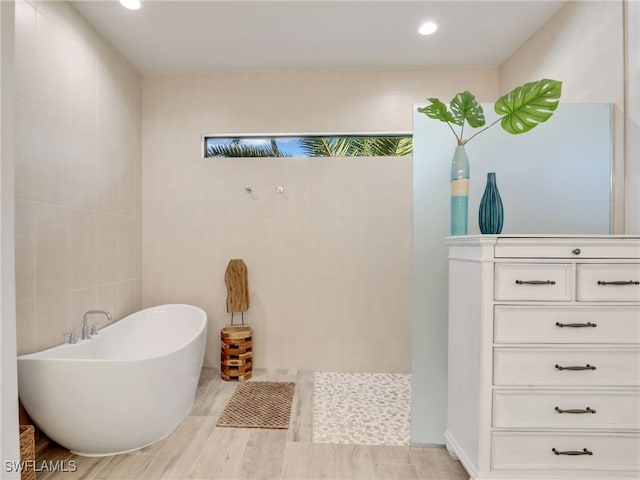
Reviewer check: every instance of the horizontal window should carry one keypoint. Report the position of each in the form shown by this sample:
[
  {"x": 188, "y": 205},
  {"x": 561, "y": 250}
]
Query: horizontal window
[{"x": 383, "y": 145}]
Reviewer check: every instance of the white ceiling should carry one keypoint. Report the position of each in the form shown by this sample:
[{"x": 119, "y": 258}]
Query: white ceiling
[{"x": 205, "y": 36}]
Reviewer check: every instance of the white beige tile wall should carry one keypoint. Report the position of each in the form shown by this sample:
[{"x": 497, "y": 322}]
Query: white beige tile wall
[
  {"x": 595, "y": 72},
  {"x": 78, "y": 173},
  {"x": 329, "y": 259}
]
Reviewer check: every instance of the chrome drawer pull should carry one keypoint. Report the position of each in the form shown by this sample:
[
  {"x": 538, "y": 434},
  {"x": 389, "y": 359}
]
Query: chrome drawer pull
[
  {"x": 576, "y": 325},
  {"x": 578, "y": 367},
  {"x": 619, "y": 282},
  {"x": 535, "y": 282},
  {"x": 572, "y": 452},
  {"x": 575, "y": 410}
]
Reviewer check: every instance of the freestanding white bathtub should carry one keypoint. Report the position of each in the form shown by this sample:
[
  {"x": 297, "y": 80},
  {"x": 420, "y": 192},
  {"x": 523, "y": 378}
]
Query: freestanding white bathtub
[{"x": 127, "y": 387}]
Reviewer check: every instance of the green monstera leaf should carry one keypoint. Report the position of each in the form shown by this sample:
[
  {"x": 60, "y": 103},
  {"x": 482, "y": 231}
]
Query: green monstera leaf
[
  {"x": 520, "y": 110},
  {"x": 465, "y": 107},
  {"x": 438, "y": 111},
  {"x": 529, "y": 105}
]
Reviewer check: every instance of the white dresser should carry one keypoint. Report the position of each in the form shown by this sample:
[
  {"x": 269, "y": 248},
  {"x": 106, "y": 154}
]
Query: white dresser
[{"x": 544, "y": 356}]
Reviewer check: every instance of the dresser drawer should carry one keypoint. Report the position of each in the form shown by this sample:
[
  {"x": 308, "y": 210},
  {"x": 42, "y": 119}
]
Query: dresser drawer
[
  {"x": 559, "y": 247},
  {"x": 566, "y": 324},
  {"x": 566, "y": 366},
  {"x": 537, "y": 281},
  {"x": 608, "y": 282},
  {"x": 524, "y": 450},
  {"x": 579, "y": 409}
]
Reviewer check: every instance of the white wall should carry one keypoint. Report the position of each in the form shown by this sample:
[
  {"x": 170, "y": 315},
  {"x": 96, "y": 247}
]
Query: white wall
[
  {"x": 78, "y": 201},
  {"x": 329, "y": 260},
  {"x": 582, "y": 45},
  {"x": 632, "y": 106},
  {"x": 9, "y": 450}
]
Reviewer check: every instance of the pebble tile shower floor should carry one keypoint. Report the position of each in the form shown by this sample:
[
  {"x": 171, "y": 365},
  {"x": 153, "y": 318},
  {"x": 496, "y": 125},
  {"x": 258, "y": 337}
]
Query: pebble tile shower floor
[{"x": 361, "y": 408}]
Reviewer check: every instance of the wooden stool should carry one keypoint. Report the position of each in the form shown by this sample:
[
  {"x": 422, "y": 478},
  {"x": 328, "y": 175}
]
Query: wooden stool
[{"x": 236, "y": 352}]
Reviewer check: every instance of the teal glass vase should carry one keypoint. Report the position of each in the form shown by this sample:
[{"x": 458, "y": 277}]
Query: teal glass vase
[
  {"x": 491, "y": 213},
  {"x": 459, "y": 191}
]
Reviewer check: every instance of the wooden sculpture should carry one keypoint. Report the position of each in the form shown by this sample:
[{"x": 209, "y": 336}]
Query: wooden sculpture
[
  {"x": 235, "y": 278},
  {"x": 236, "y": 343}
]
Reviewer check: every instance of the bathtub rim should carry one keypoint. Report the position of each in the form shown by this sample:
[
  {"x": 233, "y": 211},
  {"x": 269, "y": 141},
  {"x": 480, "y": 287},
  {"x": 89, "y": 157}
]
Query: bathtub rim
[{"x": 37, "y": 356}]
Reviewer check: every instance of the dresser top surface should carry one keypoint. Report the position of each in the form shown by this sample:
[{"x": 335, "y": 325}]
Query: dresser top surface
[
  {"x": 541, "y": 236},
  {"x": 546, "y": 246},
  {"x": 538, "y": 239}
]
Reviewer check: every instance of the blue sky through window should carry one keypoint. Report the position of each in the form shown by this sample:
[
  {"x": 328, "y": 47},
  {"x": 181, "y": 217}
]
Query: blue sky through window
[{"x": 288, "y": 146}]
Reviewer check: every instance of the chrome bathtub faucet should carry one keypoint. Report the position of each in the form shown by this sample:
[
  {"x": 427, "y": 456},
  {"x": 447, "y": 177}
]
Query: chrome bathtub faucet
[
  {"x": 72, "y": 337},
  {"x": 94, "y": 329}
]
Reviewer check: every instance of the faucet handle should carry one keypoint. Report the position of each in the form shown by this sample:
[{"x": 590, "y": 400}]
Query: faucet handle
[
  {"x": 94, "y": 328},
  {"x": 72, "y": 337}
]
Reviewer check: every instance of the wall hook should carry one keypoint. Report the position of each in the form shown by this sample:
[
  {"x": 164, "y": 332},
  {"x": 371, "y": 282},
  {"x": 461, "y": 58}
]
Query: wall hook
[{"x": 249, "y": 189}]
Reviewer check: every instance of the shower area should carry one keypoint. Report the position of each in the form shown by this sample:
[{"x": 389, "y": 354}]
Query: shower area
[
  {"x": 327, "y": 240},
  {"x": 327, "y": 244}
]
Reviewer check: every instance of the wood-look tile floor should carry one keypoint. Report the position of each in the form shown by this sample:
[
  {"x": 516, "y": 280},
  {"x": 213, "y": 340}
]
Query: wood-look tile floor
[{"x": 199, "y": 450}]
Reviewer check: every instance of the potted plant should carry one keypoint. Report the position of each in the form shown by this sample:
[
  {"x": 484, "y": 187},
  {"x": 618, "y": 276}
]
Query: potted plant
[{"x": 520, "y": 110}]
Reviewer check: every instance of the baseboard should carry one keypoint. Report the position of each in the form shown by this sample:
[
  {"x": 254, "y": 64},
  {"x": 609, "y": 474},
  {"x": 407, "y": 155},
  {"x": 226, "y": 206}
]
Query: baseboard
[{"x": 456, "y": 452}]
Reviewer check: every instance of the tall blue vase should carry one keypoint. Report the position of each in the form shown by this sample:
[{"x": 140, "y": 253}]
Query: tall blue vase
[
  {"x": 491, "y": 213},
  {"x": 459, "y": 191}
]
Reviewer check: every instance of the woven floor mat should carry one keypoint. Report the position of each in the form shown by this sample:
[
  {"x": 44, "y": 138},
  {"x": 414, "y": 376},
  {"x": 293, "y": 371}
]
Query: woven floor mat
[{"x": 259, "y": 405}]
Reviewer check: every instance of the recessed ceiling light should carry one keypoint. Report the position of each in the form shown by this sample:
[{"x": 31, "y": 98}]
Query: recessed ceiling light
[
  {"x": 130, "y": 4},
  {"x": 427, "y": 28}
]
